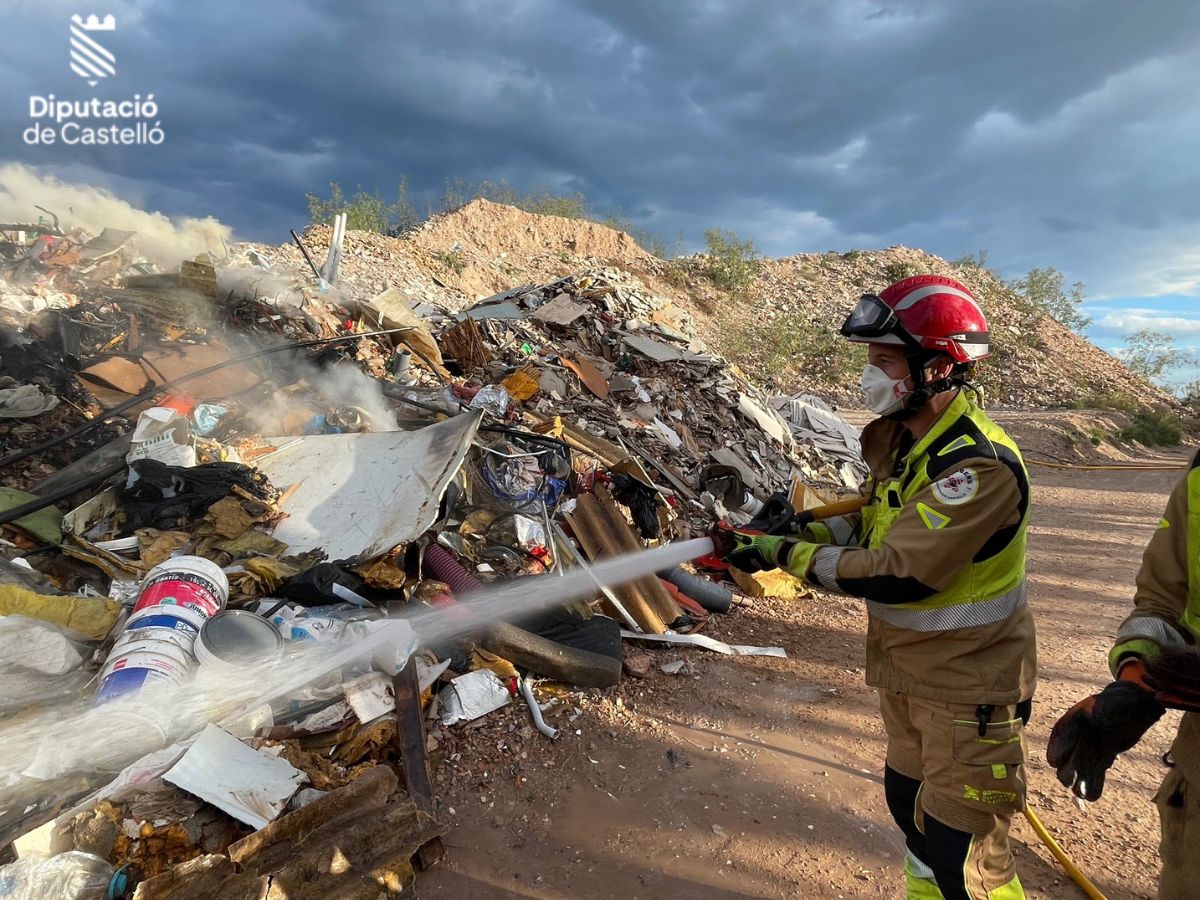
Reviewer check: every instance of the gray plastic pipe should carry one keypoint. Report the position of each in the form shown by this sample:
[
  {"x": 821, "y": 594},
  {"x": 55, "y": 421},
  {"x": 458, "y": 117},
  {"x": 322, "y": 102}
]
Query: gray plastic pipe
[{"x": 708, "y": 594}]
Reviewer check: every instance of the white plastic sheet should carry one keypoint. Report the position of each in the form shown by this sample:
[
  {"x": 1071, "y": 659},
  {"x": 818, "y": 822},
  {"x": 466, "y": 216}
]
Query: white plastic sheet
[
  {"x": 251, "y": 786},
  {"x": 360, "y": 495}
]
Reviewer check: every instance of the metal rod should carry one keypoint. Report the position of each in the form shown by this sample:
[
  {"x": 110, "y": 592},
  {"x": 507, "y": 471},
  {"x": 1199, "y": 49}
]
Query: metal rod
[{"x": 308, "y": 259}]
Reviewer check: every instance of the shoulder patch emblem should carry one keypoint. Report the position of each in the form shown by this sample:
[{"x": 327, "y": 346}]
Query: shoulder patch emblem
[
  {"x": 931, "y": 517},
  {"x": 957, "y": 487},
  {"x": 958, "y": 443}
]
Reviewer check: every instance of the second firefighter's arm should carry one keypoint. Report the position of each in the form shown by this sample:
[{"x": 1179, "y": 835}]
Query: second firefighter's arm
[{"x": 1162, "y": 587}]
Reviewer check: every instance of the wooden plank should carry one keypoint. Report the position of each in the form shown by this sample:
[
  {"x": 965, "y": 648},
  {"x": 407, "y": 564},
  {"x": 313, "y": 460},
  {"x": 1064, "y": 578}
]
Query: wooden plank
[
  {"x": 410, "y": 737},
  {"x": 414, "y": 755}
]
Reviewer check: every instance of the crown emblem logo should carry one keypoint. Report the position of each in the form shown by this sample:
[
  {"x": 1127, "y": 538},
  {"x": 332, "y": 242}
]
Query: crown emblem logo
[{"x": 90, "y": 59}]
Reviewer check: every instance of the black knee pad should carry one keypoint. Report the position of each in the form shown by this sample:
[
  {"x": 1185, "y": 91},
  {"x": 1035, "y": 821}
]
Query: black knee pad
[
  {"x": 901, "y": 793},
  {"x": 948, "y": 848}
]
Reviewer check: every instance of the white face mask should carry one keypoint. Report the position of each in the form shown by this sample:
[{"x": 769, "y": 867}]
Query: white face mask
[{"x": 884, "y": 394}]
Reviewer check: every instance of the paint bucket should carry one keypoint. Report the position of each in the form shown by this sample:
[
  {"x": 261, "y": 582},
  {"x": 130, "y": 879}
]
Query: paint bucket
[
  {"x": 159, "y": 616},
  {"x": 141, "y": 727},
  {"x": 188, "y": 581},
  {"x": 237, "y": 638},
  {"x": 144, "y": 657},
  {"x": 183, "y": 638},
  {"x": 131, "y": 673},
  {"x": 141, "y": 653}
]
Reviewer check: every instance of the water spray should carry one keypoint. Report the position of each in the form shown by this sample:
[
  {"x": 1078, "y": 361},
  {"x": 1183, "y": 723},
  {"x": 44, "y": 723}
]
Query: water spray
[{"x": 83, "y": 740}]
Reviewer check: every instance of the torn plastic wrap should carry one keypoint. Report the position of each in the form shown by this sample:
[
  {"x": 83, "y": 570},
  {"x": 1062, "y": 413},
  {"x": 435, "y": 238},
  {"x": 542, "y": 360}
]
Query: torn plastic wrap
[
  {"x": 68, "y": 876},
  {"x": 39, "y": 663}
]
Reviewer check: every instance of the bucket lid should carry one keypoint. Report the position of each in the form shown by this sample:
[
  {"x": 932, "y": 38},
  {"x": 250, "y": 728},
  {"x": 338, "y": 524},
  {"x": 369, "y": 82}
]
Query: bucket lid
[{"x": 238, "y": 637}]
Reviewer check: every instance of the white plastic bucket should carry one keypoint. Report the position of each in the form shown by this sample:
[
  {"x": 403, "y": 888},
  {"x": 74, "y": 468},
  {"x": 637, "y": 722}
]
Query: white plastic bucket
[
  {"x": 160, "y": 616},
  {"x": 143, "y": 727},
  {"x": 177, "y": 624},
  {"x": 129, "y": 674},
  {"x": 188, "y": 581},
  {"x": 162, "y": 656},
  {"x": 237, "y": 638},
  {"x": 183, "y": 638}
]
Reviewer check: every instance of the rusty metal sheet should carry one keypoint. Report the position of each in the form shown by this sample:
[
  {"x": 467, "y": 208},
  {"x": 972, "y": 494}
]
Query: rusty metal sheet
[{"x": 360, "y": 495}]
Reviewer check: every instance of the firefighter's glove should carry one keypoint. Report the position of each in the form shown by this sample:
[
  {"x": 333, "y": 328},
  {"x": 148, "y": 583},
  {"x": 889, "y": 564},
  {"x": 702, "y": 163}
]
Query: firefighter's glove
[
  {"x": 750, "y": 551},
  {"x": 1087, "y": 739}
]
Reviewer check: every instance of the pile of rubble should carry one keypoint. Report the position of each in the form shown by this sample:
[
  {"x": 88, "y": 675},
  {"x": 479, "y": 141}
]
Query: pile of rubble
[
  {"x": 271, "y": 528},
  {"x": 454, "y": 259}
]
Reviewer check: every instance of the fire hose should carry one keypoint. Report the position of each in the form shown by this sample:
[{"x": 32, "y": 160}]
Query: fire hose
[{"x": 1085, "y": 883}]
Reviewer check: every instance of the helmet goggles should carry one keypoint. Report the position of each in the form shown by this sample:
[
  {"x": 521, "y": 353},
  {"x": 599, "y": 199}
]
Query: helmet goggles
[{"x": 872, "y": 318}]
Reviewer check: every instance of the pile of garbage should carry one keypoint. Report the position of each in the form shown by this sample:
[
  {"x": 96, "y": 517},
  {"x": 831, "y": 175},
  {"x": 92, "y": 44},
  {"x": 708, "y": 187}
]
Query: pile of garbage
[{"x": 259, "y": 524}]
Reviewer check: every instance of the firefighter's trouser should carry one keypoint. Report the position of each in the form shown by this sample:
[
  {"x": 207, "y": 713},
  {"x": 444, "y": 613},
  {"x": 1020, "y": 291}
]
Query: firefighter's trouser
[
  {"x": 953, "y": 791},
  {"x": 1178, "y": 802}
]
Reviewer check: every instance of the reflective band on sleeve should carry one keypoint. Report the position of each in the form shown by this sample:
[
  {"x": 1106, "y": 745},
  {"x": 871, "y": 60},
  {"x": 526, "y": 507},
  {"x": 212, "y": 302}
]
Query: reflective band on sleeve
[
  {"x": 1151, "y": 628},
  {"x": 824, "y": 567},
  {"x": 962, "y": 615},
  {"x": 841, "y": 530}
]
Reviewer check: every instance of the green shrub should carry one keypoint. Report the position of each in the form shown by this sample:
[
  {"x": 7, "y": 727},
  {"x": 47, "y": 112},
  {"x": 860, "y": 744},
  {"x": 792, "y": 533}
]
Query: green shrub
[
  {"x": 540, "y": 199},
  {"x": 977, "y": 260},
  {"x": 1043, "y": 290},
  {"x": 364, "y": 212},
  {"x": 733, "y": 265},
  {"x": 676, "y": 274},
  {"x": 451, "y": 259},
  {"x": 795, "y": 346},
  {"x": 1153, "y": 428},
  {"x": 370, "y": 212},
  {"x": 898, "y": 271},
  {"x": 1121, "y": 402},
  {"x": 1153, "y": 354}
]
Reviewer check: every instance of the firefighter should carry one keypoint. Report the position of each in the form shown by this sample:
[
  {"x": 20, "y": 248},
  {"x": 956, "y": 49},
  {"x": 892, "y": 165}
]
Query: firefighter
[
  {"x": 1155, "y": 667},
  {"x": 938, "y": 554}
]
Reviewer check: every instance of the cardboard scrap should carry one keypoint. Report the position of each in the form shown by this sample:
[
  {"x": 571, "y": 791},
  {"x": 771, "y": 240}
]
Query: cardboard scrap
[
  {"x": 391, "y": 310},
  {"x": 589, "y": 375},
  {"x": 562, "y": 310}
]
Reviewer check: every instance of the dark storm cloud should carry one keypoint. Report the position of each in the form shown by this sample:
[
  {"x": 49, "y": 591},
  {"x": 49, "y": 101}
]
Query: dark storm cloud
[{"x": 1051, "y": 134}]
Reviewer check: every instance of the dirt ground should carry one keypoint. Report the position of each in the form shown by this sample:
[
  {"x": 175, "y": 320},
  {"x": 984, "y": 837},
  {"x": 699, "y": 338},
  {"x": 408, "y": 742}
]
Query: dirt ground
[{"x": 758, "y": 777}]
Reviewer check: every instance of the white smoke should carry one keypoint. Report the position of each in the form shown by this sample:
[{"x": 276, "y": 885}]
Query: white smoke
[
  {"x": 347, "y": 385},
  {"x": 164, "y": 240}
]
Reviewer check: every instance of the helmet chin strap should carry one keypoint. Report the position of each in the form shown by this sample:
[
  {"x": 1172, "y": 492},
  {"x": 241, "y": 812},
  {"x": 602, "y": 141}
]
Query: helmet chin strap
[{"x": 923, "y": 390}]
